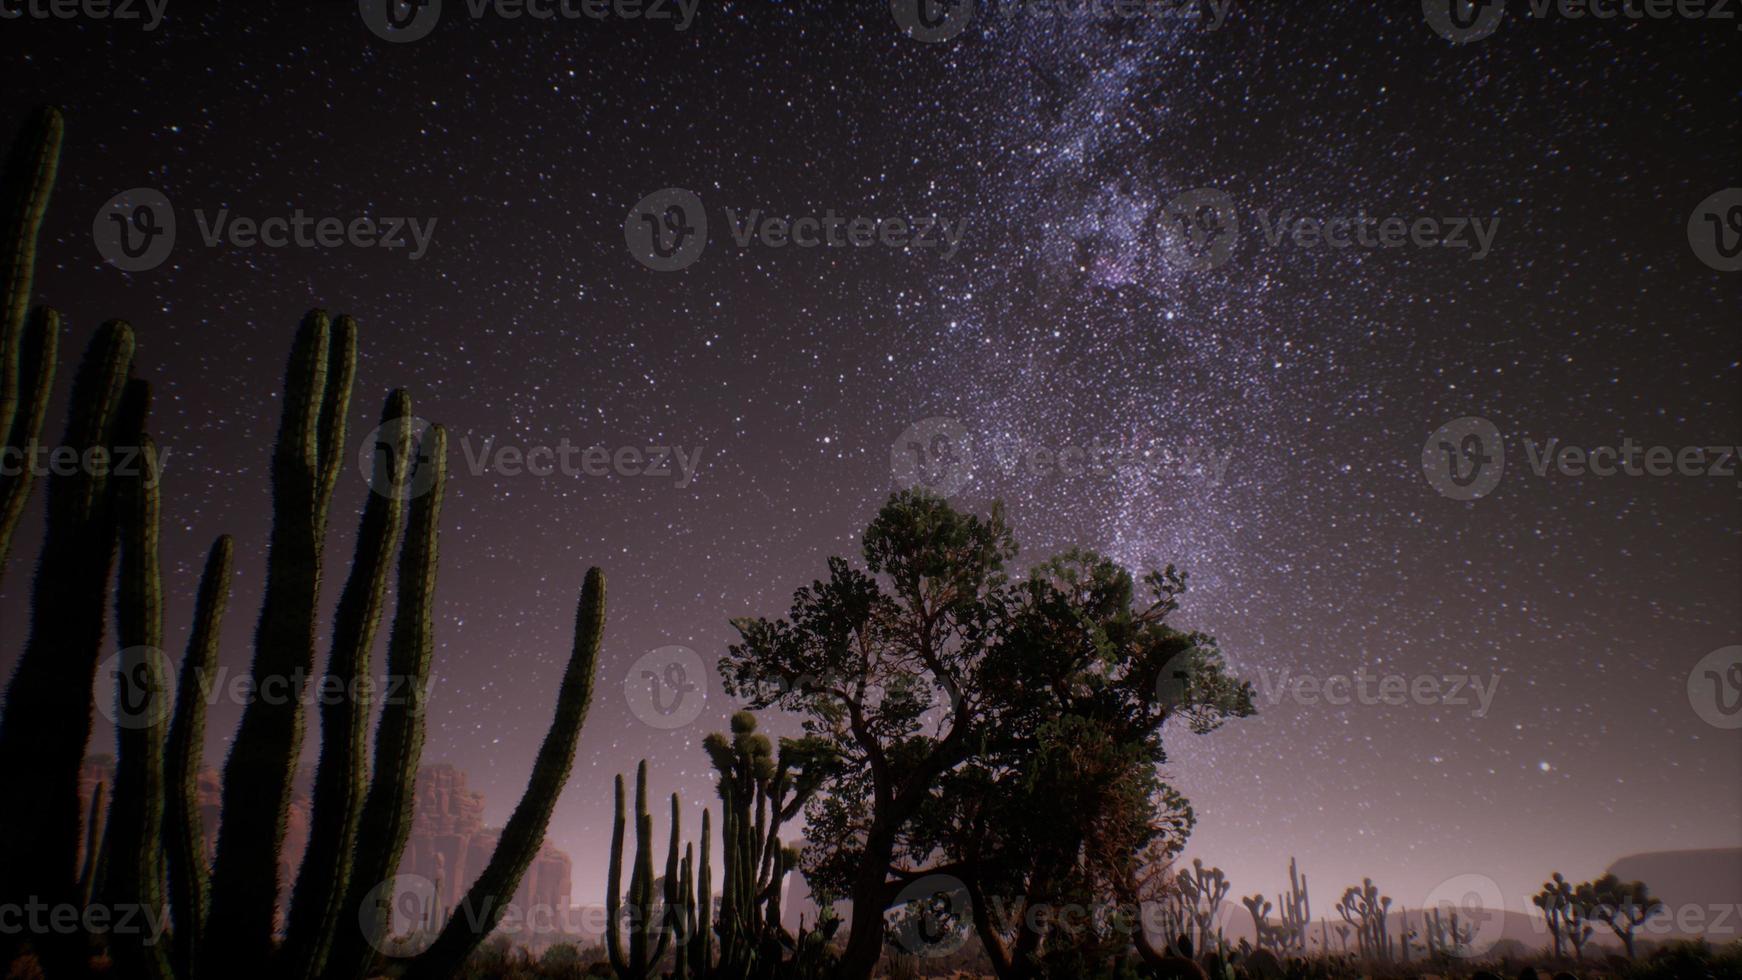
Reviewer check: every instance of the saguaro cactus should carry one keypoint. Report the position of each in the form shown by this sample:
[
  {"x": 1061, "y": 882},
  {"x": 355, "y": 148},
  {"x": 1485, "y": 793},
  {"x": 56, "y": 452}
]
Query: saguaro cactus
[{"x": 1295, "y": 910}]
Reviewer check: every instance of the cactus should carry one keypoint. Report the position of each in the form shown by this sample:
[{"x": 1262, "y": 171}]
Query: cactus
[
  {"x": 385, "y": 821},
  {"x": 524, "y": 833},
  {"x": 1295, "y": 910},
  {"x": 27, "y": 343},
  {"x": 136, "y": 810},
  {"x": 1204, "y": 890},
  {"x": 758, "y": 794},
  {"x": 340, "y": 778},
  {"x": 49, "y": 700},
  {"x": 92, "y": 868},
  {"x": 649, "y": 933},
  {"x": 152, "y": 829},
  {"x": 184, "y": 835},
  {"x": 1366, "y": 910},
  {"x": 263, "y": 757}
]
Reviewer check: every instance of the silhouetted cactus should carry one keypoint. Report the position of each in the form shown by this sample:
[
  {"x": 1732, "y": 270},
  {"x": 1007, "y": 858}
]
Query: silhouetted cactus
[
  {"x": 50, "y": 697},
  {"x": 650, "y": 926},
  {"x": 27, "y": 341},
  {"x": 184, "y": 835},
  {"x": 341, "y": 780},
  {"x": 148, "y": 822},
  {"x": 263, "y": 757},
  {"x": 759, "y": 793},
  {"x": 1366, "y": 910},
  {"x": 1294, "y": 908}
]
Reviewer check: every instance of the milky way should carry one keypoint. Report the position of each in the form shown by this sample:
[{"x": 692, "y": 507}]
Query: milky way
[{"x": 1283, "y": 395}]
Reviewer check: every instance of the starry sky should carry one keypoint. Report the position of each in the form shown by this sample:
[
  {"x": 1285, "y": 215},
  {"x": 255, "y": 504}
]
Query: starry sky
[{"x": 1310, "y": 377}]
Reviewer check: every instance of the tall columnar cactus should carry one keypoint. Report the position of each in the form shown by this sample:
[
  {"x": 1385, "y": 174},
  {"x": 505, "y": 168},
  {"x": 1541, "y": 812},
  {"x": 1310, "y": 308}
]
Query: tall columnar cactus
[
  {"x": 341, "y": 781},
  {"x": 759, "y": 793},
  {"x": 141, "y": 692},
  {"x": 27, "y": 341},
  {"x": 263, "y": 757},
  {"x": 650, "y": 926},
  {"x": 385, "y": 822},
  {"x": 487, "y": 899},
  {"x": 92, "y": 867},
  {"x": 701, "y": 953},
  {"x": 50, "y": 697},
  {"x": 183, "y": 833},
  {"x": 1295, "y": 910}
]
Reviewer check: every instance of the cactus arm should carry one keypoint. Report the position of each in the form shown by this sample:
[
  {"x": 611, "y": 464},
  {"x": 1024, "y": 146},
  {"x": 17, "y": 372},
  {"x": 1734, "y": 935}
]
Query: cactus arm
[
  {"x": 387, "y": 809},
  {"x": 47, "y": 721},
  {"x": 704, "y": 954},
  {"x": 184, "y": 835},
  {"x": 27, "y": 182},
  {"x": 263, "y": 757},
  {"x": 136, "y": 810},
  {"x": 524, "y": 833},
  {"x": 34, "y": 350},
  {"x": 614, "y": 885},
  {"x": 340, "y": 777},
  {"x": 90, "y": 870},
  {"x": 668, "y": 919}
]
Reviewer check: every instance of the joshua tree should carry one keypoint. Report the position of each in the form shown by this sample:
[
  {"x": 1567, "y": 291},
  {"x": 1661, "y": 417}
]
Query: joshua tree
[
  {"x": 1365, "y": 909},
  {"x": 1622, "y": 906},
  {"x": 1259, "y": 906},
  {"x": 1554, "y": 898}
]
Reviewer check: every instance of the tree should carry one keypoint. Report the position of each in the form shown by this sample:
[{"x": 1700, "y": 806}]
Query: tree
[
  {"x": 1554, "y": 898},
  {"x": 885, "y": 664},
  {"x": 1006, "y": 736},
  {"x": 1622, "y": 906}
]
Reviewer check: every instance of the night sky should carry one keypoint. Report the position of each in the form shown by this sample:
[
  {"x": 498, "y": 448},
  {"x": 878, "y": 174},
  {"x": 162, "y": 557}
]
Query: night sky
[{"x": 1311, "y": 377}]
